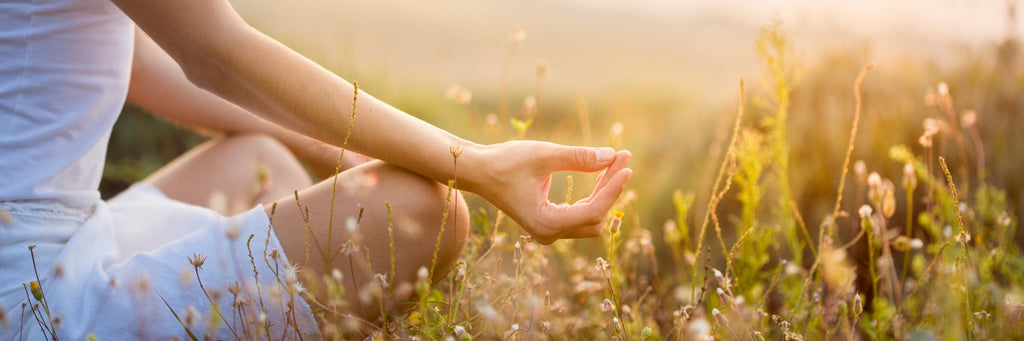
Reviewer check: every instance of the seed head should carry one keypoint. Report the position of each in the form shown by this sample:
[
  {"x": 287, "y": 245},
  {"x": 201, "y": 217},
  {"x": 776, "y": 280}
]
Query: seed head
[
  {"x": 942, "y": 89},
  {"x": 197, "y": 260},
  {"x": 931, "y": 126},
  {"x": 422, "y": 274},
  {"x": 925, "y": 141},
  {"x": 889, "y": 201},
  {"x": 909, "y": 176},
  {"x": 455, "y": 150},
  {"x": 969, "y": 118},
  {"x": 916, "y": 244},
  {"x": 874, "y": 180},
  {"x": 865, "y": 211},
  {"x": 860, "y": 169},
  {"x": 381, "y": 280},
  {"x": 607, "y": 306}
]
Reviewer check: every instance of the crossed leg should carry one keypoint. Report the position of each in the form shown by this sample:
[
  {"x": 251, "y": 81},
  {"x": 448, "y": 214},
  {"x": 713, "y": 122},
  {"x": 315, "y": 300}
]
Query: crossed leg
[{"x": 253, "y": 169}]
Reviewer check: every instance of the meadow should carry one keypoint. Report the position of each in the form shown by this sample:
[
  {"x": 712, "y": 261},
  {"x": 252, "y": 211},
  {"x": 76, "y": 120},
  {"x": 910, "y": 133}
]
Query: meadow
[{"x": 826, "y": 200}]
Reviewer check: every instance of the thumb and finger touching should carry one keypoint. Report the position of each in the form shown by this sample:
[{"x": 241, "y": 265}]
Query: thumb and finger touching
[{"x": 585, "y": 218}]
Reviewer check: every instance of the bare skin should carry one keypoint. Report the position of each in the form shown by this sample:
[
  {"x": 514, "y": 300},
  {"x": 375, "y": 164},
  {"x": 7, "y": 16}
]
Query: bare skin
[{"x": 220, "y": 74}]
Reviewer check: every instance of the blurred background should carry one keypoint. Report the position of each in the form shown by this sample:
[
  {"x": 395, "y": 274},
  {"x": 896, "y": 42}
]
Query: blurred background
[{"x": 660, "y": 78}]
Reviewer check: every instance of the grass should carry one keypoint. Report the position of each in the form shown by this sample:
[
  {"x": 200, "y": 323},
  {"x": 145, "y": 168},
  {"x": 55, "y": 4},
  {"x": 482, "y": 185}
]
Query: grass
[{"x": 802, "y": 247}]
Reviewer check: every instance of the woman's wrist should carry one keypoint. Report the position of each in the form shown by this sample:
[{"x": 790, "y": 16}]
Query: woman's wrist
[{"x": 473, "y": 169}]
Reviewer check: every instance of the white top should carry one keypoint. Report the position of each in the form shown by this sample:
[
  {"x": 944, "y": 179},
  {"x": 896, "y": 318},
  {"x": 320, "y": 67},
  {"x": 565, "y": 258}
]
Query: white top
[
  {"x": 118, "y": 269},
  {"x": 64, "y": 71}
]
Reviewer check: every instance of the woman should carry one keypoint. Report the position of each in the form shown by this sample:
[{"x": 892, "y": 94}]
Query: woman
[{"x": 151, "y": 260}]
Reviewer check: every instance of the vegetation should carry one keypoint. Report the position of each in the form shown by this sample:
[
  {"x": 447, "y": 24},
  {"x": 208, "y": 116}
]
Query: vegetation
[{"x": 802, "y": 233}]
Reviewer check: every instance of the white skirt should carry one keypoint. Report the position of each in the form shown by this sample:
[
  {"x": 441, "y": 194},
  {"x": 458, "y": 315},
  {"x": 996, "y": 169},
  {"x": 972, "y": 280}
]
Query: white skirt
[{"x": 128, "y": 270}]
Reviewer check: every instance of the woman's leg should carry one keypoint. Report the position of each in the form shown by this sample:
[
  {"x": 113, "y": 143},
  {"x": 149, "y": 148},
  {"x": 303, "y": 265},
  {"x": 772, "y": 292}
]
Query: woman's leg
[
  {"x": 232, "y": 175},
  {"x": 250, "y": 169},
  {"x": 417, "y": 207}
]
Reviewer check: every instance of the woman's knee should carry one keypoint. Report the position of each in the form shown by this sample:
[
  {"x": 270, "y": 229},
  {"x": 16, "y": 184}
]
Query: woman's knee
[{"x": 275, "y": 171}]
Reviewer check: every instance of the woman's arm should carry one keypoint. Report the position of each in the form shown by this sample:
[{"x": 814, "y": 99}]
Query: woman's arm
[
  {"x": 221, "y": 53},
  {"x": 159, "y": 86}
]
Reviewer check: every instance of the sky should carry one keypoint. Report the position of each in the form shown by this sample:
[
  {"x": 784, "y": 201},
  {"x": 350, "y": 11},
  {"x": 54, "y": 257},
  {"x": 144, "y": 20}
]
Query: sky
[{"x": 599, "y": 47}]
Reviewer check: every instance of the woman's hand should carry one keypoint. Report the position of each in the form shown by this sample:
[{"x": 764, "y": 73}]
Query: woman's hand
[{"x": 516, "y": 176}]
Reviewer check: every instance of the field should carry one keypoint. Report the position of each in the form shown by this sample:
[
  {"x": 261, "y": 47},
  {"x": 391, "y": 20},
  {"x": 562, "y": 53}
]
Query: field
[{"x": 819, "y": 198}]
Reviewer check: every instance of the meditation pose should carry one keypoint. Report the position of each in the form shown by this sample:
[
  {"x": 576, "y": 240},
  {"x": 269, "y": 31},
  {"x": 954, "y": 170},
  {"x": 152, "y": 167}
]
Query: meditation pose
[{"x": 220, "y": 232}]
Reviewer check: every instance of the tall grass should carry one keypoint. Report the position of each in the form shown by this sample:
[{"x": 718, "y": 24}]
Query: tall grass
[{"x": 797, "y": 251}]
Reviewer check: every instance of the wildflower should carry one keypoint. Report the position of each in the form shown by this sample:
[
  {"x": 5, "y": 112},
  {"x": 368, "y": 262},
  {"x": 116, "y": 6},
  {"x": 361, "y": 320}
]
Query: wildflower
[
  {"x": 37, "y": 292},
  {"x": 350, "y": 224},
  {"x": 455, "y": 150},
  {"x": 925, "y": 141},
  {"x": 916, "y": 244},
  {"x": 511, "y": 331},
  {"x": 336, "y": 274},
  {"x": 197, "y": 260},
  {"x": 517, "y": 254},
  {"x": 909, "y": 176},
  {"x": 602, "y": 266},
  {"x": 719, "y": 316},
  {"x": 613, "y": 228},
  {"x": 723, "y": 296},
  {"x": 874, "y": 180},
  {"x": 969, "y": 118},
  {"x": 607, "y": 306},
  {"x": 646, "y": 332},
  {"x": 931, "y": 126},
  {"x": 381, "y": 280},
  {"x": 545, "y": 326},
  {"x": 422, "y": 274},
  {"x": 963, "y": 237},
  {"x": 191, "y": 316},
  {"x": 858, "y": 305},
  {"x": 864, "y": 211},
  {"x": 888, "y": 200},
  {"x": 942, "y": 89},
  {"x": 274, "y": 254},
  {"x": 529, "y": 106},
  {"x": 860, "y": 169},
  {"x": 291, "y": 273},
  {"x": 460, "y": 331}
]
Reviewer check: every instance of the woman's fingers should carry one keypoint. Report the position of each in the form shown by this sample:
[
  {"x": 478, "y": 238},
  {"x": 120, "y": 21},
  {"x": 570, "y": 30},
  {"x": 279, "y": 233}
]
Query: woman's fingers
[
  {"x": 585, "y": 232},
  {"x": 621, "y": 160},
  {"x": 583, "y": 159},
  {"x": 579, "y": 219}
]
